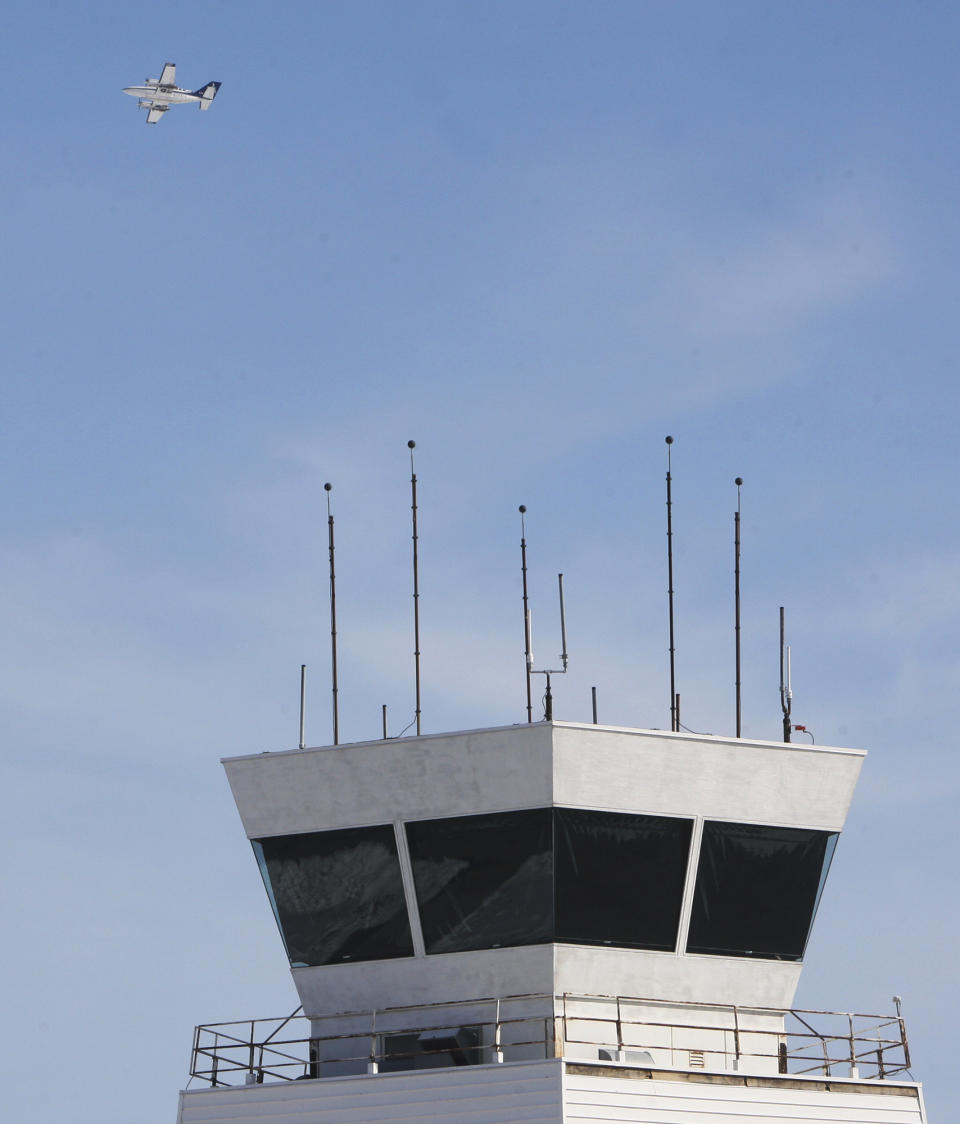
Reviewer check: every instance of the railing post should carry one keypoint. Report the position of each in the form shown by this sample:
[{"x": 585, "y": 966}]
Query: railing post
[
  {"x": 736, "y": 1039},
  {"x": 854, "y": 1071},
  {"x": 904, "y": 1043},
  {"x": 497, "y": 1044},
  {"x": 372, "y": 1065}
]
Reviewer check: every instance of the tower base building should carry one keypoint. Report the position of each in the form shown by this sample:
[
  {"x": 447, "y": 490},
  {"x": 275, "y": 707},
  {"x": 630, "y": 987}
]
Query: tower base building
[{"x": 550, "y": 922}]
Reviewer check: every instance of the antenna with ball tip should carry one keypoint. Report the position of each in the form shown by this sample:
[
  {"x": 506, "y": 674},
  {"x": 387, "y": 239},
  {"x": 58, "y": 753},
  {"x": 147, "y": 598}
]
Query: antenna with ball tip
[
  {"x": 674, "y": 709},
  {"x": 333, "y": 618},
  {"x": 411, "y": 445},
  {"x": 736, "y": 596}
]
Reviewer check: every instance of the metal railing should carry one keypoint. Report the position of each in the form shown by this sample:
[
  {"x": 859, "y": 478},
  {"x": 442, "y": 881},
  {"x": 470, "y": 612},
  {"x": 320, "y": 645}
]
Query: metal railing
[{"x": 649, "y": 1033}]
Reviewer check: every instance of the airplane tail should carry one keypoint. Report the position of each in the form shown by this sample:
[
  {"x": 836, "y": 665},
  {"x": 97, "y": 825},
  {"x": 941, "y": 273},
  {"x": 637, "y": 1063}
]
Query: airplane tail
[{"x": 207, "y": 94}]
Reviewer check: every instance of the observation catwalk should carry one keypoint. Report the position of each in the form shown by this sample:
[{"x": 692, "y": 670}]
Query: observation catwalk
[{"x": 548, "y": 922}]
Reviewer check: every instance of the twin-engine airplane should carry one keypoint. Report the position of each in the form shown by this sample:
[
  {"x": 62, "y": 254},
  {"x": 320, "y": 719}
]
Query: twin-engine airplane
[{"x": 159, "y": 94}]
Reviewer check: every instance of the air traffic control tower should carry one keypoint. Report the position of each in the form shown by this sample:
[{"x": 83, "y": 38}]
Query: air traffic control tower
[{"x": 544, "y": 923}]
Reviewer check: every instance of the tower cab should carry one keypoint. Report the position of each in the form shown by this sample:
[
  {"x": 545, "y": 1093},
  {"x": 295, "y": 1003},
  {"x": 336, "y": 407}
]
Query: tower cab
[{"x": 547, "y": 922}]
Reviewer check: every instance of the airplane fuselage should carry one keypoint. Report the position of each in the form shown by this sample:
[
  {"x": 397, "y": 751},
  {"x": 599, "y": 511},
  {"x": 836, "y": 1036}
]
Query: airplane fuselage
[{"x": 166, "y": 95}]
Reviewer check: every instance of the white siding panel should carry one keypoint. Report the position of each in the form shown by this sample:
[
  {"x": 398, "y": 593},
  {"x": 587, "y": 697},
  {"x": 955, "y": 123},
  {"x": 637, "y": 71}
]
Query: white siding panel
[
  {"x": 512, "y": 1094},
  {"x": 633, "y": 1101}
]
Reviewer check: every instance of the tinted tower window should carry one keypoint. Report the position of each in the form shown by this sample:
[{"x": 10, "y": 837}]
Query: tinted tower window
[
  {"x": 484, "y": 881},
  {"x": 619, "y": 878},
  {"x": 337, "y": 895},
  {"x": 757, "y": 889}
]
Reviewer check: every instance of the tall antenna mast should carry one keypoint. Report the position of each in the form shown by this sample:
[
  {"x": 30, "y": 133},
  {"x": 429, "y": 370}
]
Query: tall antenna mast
[
  {"x": 411, "y": 445},
  {"x": 736, "y": 596},
  {"x": 527, "y": 641},
  {"x": 674, "y": 709},
  {"x": 548, "y": 695},
  {"x": 786, "y": 692},
  {"x": 333, "y": 619}
]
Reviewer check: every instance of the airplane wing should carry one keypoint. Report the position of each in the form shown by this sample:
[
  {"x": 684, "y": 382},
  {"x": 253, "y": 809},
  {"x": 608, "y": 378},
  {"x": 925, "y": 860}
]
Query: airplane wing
[
  {"x": 169, "y": 75},
  {"x": 155, "y": 112}
]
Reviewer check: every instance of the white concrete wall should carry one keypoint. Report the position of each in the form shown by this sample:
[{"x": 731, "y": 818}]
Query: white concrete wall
[
  {"x": 637, "y": 1101},
  {"x": 384, "y": 781},
  {"x": 716, "y": 778},
  {"x": 543, "y": 1093},
  {"x": 675, "y": 976},
  {"x": 670, "y": 1034},
  {"x": 524, "y": 1093},
  {"x": 530, "y": 766},
  {"x": 443, "y": 978}
]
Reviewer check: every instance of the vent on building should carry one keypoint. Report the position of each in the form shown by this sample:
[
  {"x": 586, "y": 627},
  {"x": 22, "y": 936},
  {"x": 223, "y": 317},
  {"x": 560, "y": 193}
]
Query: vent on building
[
  {"x": 631, "y": 1057},
  {"x": 696, "y": 1059}
]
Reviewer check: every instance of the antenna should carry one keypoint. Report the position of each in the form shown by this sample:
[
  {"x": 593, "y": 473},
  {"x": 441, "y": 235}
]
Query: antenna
[
  {"x": 563, "y": 624},
  {"x": 303, "y": 702},
  {"x": 674, "y": 707},
  {"x": 786, "y": 692},
  {"x": 333, "y": 618},
  {"x": 528, "y": 644},
  {"x": 548, "y": 696},
  {"x": 411, "y": 445},
  {"x": 736, "y": 596},
  {"x": 593, "y": 697}
]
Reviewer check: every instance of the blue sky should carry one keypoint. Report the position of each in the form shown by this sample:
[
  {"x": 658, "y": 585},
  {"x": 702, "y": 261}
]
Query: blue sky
[{"x": 535, "y": 237}]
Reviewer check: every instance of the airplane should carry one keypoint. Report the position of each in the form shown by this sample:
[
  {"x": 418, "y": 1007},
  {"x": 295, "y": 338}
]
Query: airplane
[{"x": 159, "y": 94}]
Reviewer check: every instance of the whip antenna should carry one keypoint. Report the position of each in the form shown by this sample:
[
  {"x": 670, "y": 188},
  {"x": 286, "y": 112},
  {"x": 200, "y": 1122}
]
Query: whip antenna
[
  {"x": 527, "y": 638},
  {"x": 736, "y": 596},
  {"x": 411, "y": 445},
  {"x": 786, "y": 692},
  {"x": 333, "y": 618},
  {"x": 303, "y": 702},
  {"x": 674, "y": 708}
]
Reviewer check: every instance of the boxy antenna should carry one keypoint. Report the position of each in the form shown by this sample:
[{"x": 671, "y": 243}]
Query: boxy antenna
[
  {"x": 786, "y": 691},
  {"x": 333, "y": 618},
  {"x": 736, "y": 595},
  {"x": 411, "y": 445},
  {"x": 527, "y": 640},
  {"x": 674, "y": 709},
  {"x": 548, "y": 695}
]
